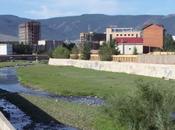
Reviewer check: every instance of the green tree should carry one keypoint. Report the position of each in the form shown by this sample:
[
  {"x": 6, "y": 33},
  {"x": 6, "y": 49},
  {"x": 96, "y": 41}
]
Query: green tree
[
  {"x": 135, "y": 51},
  {"x": 86, "y": 51},
  {"x": 169, "y": 44},
  {"x": 61, "y": 52},
  {"x": 115, "y": 50},
  {"x": 149, "y": 108},
  {"x": 106, "y": 52}
]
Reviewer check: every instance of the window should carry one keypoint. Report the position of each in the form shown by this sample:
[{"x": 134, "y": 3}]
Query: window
[
  {"x": 121, "y": 35},
  {"x": 116, "y": 34},
  {"x": 136, "y": 35},
  {"x": 128, "y": 34},
  {"x": 124, "y": 34},
  {"x": 129, "y": 48},
  {"x": 132, "y": 34}
]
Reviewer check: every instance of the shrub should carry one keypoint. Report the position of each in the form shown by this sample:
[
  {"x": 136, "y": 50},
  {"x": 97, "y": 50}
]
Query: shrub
[
  {"x": 135, "y": 51},
  {"x": 105, "y": 52},
  {"x": 61, "y": 52},
  {"x": 150, "y": 108},
  {"x": 85, "y": 54}
]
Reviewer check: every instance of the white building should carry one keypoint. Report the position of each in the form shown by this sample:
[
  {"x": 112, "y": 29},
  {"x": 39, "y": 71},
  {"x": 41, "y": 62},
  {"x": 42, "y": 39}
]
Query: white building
[
  {"x": 173, "y": 38},
  {"x": 114, "y": 32},
  {"x": 49, "y": 45},
  {"x": 6, "y": 49},
  {"x": 127, "y": 46}
]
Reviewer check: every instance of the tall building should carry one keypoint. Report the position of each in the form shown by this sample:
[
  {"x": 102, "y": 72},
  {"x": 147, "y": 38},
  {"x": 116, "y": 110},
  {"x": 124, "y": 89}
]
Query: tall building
[
  {"x": 113, "y": 32},
  {"x": 153, "y": 37},
  {"x": 29, "y": 32},
  {"x": 93, "y": 38}
]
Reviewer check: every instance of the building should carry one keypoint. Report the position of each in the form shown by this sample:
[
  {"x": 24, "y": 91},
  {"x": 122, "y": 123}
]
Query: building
[
  {"x": 113, "y": 32},
  {"x": 6, "y": 49},
  {"x": 153, "y": 37},
  {"x": 173, "y": 38},
  {"x": 127, "y": 45},
  {"x": 94, "y": 38},
  {"x": 48, "y": 45},
  {"x": 29, "y": 32}
]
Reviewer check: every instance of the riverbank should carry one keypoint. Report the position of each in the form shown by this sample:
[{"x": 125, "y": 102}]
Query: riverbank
[
  {"x": 14, "y": 63},
  {"x": 70, "y": 81}
]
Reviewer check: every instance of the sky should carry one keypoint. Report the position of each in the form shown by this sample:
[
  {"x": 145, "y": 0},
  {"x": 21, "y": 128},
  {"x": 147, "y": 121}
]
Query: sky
[{"x": 41, "y": 9}]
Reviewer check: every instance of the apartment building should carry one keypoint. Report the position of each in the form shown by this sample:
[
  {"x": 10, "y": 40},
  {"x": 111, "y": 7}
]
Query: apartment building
[
  {"x": 127, "y": 45},
  {"x": 153, "y": 37},
  {"x": 29, "y": 32},
  {"x": 113, "y": 32},
  {"x": 93, "y": 38}
]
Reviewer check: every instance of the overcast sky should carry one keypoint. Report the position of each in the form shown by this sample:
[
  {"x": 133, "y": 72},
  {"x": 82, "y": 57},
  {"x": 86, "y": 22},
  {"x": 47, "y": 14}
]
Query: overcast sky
[{"x": 39, "y": 9}]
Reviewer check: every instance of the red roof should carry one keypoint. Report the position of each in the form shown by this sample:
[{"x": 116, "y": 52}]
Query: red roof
[{"x": 129, "y": 40}]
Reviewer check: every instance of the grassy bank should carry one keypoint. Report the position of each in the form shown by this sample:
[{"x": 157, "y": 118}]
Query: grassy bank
[
  {"x": 80, "y": 116},
  {"x": 76, "y": 81},
  {"x": 12, "y": 64}
]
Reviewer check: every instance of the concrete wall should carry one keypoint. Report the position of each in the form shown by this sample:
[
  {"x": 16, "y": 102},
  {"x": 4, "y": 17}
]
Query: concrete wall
[
  {"x": 152, "y": 70},
  {"x": 157, "y": 59},
  {"x": 5, "y": 124}
]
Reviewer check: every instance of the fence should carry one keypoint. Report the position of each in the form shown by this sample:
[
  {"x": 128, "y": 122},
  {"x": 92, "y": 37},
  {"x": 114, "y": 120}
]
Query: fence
[
  {"x": 153, "y": 70},
  {"x": 117, "y": 58}
]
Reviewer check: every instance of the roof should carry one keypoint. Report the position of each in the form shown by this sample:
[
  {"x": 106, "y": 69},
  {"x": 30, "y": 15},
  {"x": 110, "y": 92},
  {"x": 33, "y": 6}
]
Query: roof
[
  {"x": 129, "y": 40},
  {"x": 148, "y": 25}
]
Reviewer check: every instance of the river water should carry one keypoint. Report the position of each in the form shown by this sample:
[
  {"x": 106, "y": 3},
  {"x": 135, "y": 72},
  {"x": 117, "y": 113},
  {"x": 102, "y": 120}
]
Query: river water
[{"x": 10, "y": 83}]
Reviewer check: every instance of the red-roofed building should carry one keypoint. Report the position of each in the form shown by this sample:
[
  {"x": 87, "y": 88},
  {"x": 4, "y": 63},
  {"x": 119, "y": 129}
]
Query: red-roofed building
[{"x": 127, "y": 45}]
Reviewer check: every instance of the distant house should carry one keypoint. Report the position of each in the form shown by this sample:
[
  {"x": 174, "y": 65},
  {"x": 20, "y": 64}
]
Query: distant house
[
  {"x": 6, "y": 49},
  {"x": 113, "y": 32},
  {"x": 127, "y": 45},
  {"x": 48, "y": 45},
  {"x": 173, "y": 38},
  {"x": 153, "y": 37},
  {"x": 94, "y": 38}
]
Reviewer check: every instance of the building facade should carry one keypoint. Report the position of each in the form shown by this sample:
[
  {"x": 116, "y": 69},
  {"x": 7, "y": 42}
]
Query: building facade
[
  {"x": 94, "y": 38},
  {"x": 127, "y": 45},
  {"x": 6, "y": 49},
  {"x": 29, "y": 32},
  {"x": 153, "y": 37},
  {"x": 113, "y": 32},
  {"x": 48, "y": 45}
]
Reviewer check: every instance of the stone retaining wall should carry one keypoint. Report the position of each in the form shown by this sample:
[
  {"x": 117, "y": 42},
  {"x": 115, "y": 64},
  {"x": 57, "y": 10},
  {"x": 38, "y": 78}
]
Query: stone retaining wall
[
  {"x": 152, "y": 70},
  {"x": 5, "y": 124}
]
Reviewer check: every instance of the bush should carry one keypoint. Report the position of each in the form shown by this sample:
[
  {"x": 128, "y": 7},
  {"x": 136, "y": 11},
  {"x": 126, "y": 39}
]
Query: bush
[
  {"x": 86, "y": 51},
  {"x": 150, "y": 108},
  {"x": 22, "y": 49},
  {"x": 135, "y": 51},
  {"x": 105, "y": 52},
  {"x": 61, "y": 52}
]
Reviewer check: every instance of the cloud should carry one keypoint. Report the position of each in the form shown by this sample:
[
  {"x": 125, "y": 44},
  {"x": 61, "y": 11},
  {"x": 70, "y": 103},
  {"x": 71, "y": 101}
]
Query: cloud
[{"x": 55, "y": 8}]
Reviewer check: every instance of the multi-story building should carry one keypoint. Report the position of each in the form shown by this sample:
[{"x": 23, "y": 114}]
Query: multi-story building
[
  {"x": 93, "y": 38},
  {"x": 29, "y": 32},
  {"x": 48, "y": 45},
  {"x": 113, "y": 32},
  {"x": 153, "y": 37},
  {"x": 127, "y": 45}
]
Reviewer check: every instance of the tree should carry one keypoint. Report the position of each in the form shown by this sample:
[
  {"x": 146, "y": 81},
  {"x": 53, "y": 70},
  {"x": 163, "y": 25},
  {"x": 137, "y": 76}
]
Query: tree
[
  {"x": 135, "y": 51},
  {"x": 106, "y": 52},
  {"x": 115, "y": 50},
  {"x": 169, "y": 44},
  {"x": 86, "y": 51},
  {"x": 149, "y": 108},
  {"x": 61, "y": 52}
]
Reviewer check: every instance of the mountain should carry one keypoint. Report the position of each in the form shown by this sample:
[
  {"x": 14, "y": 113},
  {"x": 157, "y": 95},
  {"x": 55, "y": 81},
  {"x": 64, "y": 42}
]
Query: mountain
[{"x": 62, "y": 28}]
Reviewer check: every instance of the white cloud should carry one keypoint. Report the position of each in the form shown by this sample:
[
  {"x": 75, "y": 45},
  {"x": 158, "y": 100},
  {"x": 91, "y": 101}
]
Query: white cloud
[{"x": 55, "y": 8}]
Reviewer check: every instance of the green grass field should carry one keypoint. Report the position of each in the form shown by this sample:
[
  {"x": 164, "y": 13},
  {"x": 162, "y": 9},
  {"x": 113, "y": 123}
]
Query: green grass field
[
  {"x": 84, "y": 82},
  {"x": 80, "y": 82}
]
